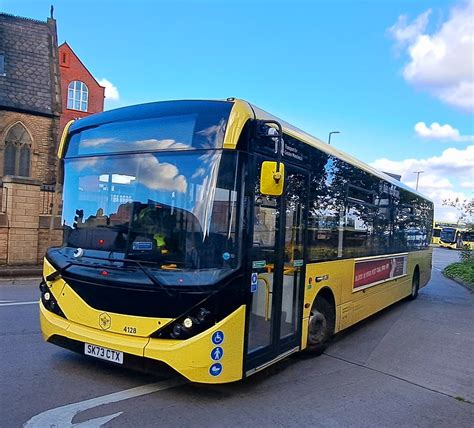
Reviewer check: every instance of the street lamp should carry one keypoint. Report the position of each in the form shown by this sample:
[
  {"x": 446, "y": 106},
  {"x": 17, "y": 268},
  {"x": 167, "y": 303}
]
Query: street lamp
[
  {"x": 417, "y": 177},
  {"x": 332, "y": 132}
]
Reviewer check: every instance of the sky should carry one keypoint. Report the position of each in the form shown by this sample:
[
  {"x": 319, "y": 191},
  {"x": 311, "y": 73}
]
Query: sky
[{"x": 396, "y": 78}]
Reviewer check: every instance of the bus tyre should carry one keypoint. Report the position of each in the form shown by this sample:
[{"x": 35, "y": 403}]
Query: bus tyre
[
  {"x": 320, "y": 327},
  {"x": 415, "y": 285}
]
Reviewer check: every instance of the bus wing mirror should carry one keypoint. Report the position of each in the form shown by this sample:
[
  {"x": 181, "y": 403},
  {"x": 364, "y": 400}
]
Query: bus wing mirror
[
  {"x": 272, "y": 178},
  {"x": 266, "y": 128}
]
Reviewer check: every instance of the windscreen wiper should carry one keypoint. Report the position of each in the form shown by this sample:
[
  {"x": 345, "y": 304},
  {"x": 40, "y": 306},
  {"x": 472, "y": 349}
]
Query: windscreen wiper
[
  {"x": 151, "y": 277},
  {"x": 155, "y": 282},
  {"x": 58, "y": 273}
]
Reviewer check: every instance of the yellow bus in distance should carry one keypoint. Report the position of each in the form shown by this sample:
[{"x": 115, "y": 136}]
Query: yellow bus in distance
[
  {"x": 436, "y": 235},
  {"x": 218, "y": 239},
  {"x": 456, "y": 238}
]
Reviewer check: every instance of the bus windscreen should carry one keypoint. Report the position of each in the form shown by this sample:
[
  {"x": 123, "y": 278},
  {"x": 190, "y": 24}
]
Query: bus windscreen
[{"x": 173, "y": 210}]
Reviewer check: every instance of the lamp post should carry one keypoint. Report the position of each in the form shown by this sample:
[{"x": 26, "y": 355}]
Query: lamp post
[
  {"x": 332, "y": 132},
  {"x": 417, "y": 177}
]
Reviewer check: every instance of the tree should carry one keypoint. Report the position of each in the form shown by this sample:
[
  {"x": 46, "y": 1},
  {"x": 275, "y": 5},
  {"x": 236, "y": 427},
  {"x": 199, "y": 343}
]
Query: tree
[{"x": 465, "y": 208}]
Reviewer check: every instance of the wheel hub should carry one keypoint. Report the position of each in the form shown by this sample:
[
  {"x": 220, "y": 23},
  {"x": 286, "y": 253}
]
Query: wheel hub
[{"x": 317, "y": 328}]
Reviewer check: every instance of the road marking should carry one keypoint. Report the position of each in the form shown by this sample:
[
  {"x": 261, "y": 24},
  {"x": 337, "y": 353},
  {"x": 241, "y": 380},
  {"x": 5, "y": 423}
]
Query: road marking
[
  {"x": 62, "y": 417},
  {"x": 19, "y": 303}
]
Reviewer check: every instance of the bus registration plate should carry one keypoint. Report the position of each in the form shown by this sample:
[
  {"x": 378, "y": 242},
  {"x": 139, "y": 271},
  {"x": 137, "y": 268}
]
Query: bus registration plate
[{"x": 103, "y": 353}]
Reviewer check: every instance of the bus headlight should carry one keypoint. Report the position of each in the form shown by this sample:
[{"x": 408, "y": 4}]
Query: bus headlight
[
  {"x": 188, "y": 322},
  {"x": 177, "y": 330},
  {"x": 48, "y": 300},
  {"x": 202, "y": 314},
  {"x": 189, "y": 325}
]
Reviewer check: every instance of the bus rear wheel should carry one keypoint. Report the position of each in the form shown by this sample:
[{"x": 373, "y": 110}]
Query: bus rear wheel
[
  {"x": 320, "y": 327},
  {"x": 415, "y": 285}
]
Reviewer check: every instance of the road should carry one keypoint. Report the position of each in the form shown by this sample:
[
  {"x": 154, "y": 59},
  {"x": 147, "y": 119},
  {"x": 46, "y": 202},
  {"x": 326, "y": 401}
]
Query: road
[{"x": 411, "y": 365}]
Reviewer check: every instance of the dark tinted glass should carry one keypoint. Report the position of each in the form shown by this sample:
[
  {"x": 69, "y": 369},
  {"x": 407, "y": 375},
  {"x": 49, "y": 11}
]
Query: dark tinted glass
[
  {"x": 468, "y": 236},
  {"x": 448, "y": 235},
  {"x": 355, "y": 214},
  {"x": 160, "y": 126}
]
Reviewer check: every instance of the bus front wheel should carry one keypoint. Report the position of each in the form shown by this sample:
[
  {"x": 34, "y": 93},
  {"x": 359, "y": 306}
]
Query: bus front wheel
[{"x": 320, "y": 327}]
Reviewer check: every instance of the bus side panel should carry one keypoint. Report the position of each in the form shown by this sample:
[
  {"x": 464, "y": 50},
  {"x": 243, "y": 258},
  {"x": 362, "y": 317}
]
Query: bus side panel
[
  {"x": 332, "y": 275},
  {"x": 373, "y": 299},
  {"x": 352, "y": 307},
  {"x": 422, "y": 259},
  {"x": 380, "y": 296}
]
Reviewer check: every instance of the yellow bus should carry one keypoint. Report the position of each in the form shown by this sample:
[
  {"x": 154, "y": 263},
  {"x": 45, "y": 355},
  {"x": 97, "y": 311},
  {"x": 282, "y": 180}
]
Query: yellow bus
[
  {"x": 467, "y": 239},
  {"x": 218, "y": 239},
  {"x": 456, "y": 238},
  {"x": 436, "y": 235}
]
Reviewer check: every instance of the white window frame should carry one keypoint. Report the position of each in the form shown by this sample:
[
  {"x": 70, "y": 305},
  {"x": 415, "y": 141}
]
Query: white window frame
[{"x": 77, "y": 96}]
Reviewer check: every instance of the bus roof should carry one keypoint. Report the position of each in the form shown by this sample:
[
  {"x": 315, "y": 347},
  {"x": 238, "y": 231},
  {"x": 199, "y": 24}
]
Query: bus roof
[{"x": 241, "y": 112}]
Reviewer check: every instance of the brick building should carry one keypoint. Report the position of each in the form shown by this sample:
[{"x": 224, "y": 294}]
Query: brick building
[
  {"x": 30, "y": 108},
  {"x": 38, "y": 82},
  {"x": 30, "y": 104},
  {"x": 82, "y": 95}
]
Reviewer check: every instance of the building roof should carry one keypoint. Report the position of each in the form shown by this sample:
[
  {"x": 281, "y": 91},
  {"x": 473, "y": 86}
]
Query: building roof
[
  {"x": 29, "y": 83},
  {"x": 66, "y": 44}
]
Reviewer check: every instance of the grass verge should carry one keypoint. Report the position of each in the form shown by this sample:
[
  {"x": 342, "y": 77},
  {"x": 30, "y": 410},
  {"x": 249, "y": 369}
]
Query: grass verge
[{"x": 462, "y": 272}]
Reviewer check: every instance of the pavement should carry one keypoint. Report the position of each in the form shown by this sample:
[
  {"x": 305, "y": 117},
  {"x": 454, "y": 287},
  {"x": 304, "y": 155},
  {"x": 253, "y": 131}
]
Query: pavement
[
  {"x": 8, "y": 272},
  {"x": 410, "y": 365}
]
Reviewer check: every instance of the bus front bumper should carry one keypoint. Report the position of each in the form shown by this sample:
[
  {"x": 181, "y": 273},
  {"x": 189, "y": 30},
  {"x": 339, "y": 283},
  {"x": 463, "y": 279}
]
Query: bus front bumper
[{"x": 192, "y": 358}]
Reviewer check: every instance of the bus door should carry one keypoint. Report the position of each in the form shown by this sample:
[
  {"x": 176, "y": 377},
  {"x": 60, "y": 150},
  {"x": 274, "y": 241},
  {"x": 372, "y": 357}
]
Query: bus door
[{"x": 276, "y": 270}]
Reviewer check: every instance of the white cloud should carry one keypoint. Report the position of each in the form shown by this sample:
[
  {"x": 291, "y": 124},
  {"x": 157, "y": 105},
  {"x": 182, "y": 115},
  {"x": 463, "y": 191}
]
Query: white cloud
[
  {"x": 404, "y": 32},
  {"x": 440, "y": 132},
  {"x": 111, "y": 91},
  {"x": 468, "y": 184},
  {"x": 446, "y": 176},
  {"x": 154, "y": 144},
  {"x": 441, "y": 62},
  {"x": 97, "y": 142},
  {"x": 461, "y": 95},
  {"x": 153, "y": 174}
]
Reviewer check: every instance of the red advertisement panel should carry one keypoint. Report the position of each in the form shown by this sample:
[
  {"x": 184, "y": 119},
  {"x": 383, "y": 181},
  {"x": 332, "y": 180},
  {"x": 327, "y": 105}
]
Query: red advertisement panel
[{"x": 372, "y": 271}]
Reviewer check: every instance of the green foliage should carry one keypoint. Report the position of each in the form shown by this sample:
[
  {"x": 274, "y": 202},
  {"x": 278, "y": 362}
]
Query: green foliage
[
  {"x": 466, "y": 254},
  {"x": 463, "y": 271}
]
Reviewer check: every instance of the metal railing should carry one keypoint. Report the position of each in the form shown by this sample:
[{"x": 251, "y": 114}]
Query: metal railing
[{"x": 47, "y": 199}]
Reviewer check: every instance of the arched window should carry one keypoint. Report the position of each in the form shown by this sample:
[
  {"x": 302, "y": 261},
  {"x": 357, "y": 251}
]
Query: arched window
[
  {"x": 77, "y": 96},
  {"x": 17, "y": 151}
]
